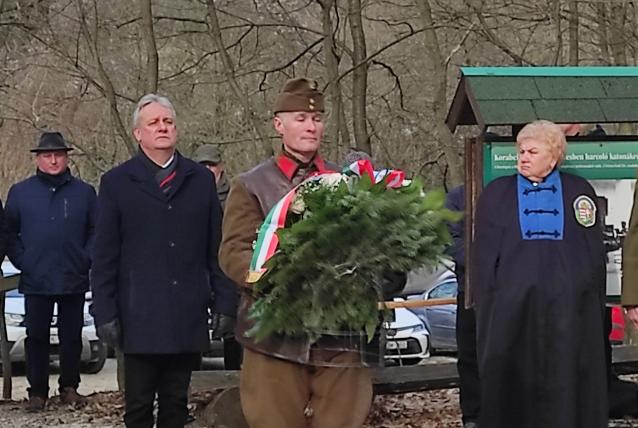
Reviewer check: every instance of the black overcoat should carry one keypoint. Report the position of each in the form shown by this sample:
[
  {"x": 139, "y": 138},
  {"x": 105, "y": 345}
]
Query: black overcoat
[
  {"x": 155, "y": 256},
  {"x": 540, "y": 308}
]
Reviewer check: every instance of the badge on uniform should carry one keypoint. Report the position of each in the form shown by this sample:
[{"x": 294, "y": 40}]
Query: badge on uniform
[{"x": 585, "y": 211}]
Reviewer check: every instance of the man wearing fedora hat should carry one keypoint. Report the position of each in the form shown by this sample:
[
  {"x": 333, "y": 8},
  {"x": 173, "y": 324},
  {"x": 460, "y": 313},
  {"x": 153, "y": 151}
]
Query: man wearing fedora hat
[
  {"x": 289, "y": 382},
  {"x": 50, "y": 222}
]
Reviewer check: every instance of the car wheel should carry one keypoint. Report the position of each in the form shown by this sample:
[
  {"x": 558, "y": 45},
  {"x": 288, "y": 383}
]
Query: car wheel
[{"x": 97, "y": 365}]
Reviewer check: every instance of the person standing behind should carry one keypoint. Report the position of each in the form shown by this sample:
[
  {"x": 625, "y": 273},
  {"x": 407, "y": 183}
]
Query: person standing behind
[
  {"x": 225, "y": 296},
  {"x": 469, "y": 383},
  {"x": 155, "y": 262},
  {"x": 289, "y": 382},
  {"x": 210, "y": 156},
  {"x": 50, "y": 226}
]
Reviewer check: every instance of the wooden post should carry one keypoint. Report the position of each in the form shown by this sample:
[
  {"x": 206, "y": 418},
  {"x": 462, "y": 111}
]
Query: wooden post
[
  {"x": 6, "y": 284},
  {"x": 4, "y": 350},
  {"x": 473, "y": 186}
]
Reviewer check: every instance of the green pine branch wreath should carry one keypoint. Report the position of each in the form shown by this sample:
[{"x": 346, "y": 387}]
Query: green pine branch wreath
[{"x": 324, "y": 276}]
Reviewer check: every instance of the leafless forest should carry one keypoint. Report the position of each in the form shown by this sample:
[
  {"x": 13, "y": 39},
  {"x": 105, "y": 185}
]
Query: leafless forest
[{"x": 388, "y": 68}]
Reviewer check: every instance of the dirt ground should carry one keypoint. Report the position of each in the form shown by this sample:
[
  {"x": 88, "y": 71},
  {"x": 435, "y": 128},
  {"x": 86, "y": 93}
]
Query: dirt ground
[
  {"x": 426, "y": 410},
  {"x": 432, "y": 409},
  {"x": 105, "y": 408}
]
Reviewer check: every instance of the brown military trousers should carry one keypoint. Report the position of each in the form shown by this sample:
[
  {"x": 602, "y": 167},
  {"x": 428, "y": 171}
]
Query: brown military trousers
[{"x": 276, "y": 393}]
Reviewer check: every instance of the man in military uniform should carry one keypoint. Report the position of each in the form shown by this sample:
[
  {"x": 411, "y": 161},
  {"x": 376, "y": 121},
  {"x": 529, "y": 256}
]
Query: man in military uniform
[{"x": 288, "y": 382}]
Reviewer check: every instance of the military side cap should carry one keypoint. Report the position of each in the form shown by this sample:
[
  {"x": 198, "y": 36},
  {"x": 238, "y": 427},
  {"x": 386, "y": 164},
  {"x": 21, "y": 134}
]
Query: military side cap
[
  {"x": 51, "y": 142},
  {"x": 207, "y": 153},
  {"x": 299, "y": 94}
]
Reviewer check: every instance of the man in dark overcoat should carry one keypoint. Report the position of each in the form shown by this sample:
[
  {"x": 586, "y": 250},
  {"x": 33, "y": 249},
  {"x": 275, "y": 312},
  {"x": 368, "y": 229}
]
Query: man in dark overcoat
[
  {"x": 155, "y": 255},
  {"x": 50, "y": 224}
]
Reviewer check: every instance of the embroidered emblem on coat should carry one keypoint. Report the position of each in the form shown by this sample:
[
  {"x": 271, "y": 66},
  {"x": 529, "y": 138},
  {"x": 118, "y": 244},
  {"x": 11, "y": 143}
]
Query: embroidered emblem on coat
[{"x": 585, "y": 211}]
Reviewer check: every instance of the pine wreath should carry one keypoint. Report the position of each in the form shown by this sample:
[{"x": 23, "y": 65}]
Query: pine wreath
[{"x": 324, "y": 276}]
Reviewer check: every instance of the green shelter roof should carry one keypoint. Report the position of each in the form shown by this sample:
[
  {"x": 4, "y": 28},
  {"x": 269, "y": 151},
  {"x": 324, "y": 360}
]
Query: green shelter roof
[{"x": 517, "y": 95}]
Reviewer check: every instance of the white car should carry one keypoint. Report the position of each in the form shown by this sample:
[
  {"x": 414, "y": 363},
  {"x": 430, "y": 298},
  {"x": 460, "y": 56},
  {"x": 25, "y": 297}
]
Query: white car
[
  {"x": 407, "y": 339},
  {"x": 93, "y": 350}
]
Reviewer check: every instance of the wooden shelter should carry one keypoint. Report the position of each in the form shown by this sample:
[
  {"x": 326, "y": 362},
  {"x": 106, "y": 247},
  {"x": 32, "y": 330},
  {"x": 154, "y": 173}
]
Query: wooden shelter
[{"x": 513, "y": 96}]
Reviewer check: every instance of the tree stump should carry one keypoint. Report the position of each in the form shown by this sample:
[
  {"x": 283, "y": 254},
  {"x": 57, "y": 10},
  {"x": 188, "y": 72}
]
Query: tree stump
[{"x": 225, "y": 410}]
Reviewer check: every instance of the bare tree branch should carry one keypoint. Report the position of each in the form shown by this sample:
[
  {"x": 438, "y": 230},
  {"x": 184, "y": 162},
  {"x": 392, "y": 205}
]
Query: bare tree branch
[{"x": 148, "y": 35}]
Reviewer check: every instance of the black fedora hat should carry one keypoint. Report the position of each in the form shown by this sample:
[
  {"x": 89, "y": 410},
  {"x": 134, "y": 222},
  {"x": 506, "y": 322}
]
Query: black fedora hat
[{"x": 51, "y": 142}]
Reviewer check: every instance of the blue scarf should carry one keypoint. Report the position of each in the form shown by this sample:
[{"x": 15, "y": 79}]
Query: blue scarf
[{"x": 540, "y": 208}]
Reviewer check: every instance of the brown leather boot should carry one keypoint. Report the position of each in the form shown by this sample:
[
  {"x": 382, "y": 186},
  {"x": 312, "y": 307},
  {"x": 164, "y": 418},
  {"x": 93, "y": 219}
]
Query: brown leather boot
[
  {"x": 69, "y": 395},
  {"x": 35, "y": 404}
]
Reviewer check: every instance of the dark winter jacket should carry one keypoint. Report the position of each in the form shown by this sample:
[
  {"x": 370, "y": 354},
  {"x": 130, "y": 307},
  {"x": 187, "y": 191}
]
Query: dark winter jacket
[
  {"x": 155, "y": 256},
  {"x": 50, "y": 227}
]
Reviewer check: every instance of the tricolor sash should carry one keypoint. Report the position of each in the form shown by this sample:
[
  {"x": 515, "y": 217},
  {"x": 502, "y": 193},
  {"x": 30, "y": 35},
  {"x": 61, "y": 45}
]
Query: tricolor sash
[{"x": 267, "y": 240}]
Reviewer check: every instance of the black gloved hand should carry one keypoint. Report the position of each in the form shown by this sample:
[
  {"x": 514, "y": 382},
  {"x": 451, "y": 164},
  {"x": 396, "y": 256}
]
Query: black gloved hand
[
  {"x": 110, "y": 333},
  {"x": 223, "y": 326},
  {"x": 392, "y": 283}
]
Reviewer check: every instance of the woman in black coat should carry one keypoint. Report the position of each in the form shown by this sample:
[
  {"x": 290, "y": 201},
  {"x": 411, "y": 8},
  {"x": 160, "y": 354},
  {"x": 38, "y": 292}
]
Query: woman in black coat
[{"x": 538, "y": 272}]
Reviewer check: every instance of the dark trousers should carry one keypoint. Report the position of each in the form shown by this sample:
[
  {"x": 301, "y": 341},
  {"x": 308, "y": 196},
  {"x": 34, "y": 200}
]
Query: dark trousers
[
  {"x": 623, "y": 394},
  {"x": 164, "y": 375},
  {"x": 39, "y": 312},
  {"x": 467, "y": 365},
  {"x": 233, "y": 354}
]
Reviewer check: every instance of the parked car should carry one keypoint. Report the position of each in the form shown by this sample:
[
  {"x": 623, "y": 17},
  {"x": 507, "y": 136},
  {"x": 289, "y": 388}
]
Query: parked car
[
  {"x": 93, "y": 350},
  {"x": 407, "y": 339},
  {"x": 617, "y": 334},
  {"x": 439, "y": 320}
]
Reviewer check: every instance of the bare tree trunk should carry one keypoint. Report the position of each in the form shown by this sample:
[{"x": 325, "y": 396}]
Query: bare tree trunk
[
  {"x": 603, "y": 31},
  {"x": 107, "y": 85},
  {"x": 617, "y": 40},
  {"x": 359, "y": 78},
  {"x": 559, "y": 32},
  {"x": 148, "y": 35},
  {"x": 337, "y": 130},
  {"x": 573, "y": 32},
  {"x": 618, "y": 44},
  {"x": 438, "y": 81},
  {"x": 229, "y": 70}
]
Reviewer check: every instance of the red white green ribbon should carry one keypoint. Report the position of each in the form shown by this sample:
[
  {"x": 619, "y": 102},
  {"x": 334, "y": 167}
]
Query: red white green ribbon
[
  {"x": 394, "y": 178},
  {"x": 267, "y": 239}
]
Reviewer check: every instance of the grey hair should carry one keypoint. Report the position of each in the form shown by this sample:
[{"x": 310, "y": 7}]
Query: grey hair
[
  {"x": 354, "y": 155},
  {"x": 148, "y": 99}
]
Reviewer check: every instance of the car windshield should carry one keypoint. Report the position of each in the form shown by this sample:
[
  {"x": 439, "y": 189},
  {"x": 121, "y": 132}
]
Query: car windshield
[
  {"x": 445, "y": 290},
  {"x": 13, "y": 293}
]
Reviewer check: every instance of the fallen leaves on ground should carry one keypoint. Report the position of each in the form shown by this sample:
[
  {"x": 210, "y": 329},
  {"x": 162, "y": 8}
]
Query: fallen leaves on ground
[{"x": 432, "y": 409}]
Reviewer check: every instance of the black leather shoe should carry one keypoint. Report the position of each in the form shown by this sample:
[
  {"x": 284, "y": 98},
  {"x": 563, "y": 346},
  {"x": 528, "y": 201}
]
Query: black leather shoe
[{"x": 35, "y": 404}]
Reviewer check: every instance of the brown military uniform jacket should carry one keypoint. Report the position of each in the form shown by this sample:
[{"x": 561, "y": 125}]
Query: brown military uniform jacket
[
  {"x": 252, "y": 195},
  {"x": 630, "y": 259}
]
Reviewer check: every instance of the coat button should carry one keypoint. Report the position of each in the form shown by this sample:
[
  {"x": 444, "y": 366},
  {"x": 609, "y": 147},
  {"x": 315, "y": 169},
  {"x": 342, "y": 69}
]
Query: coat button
[
  {"x": 52, "y": 218},
  {"x": 170, "y": 207},
  {"x": 174, "y": 282},
  {"x": 171, "y": 244},
  {"x": 52, "y": 189}
]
